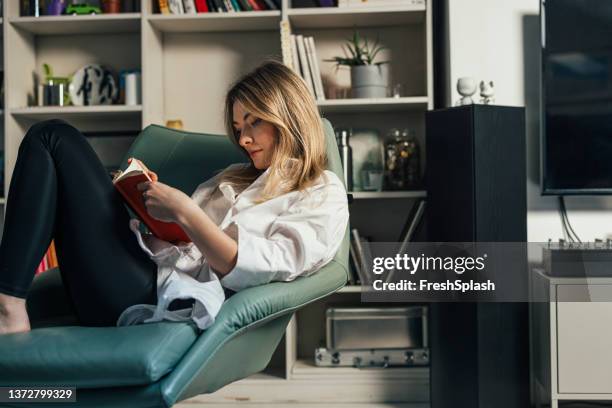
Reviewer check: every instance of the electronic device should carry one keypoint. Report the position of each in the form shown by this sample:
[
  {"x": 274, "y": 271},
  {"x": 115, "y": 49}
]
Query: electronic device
[
  {"x": 371, "y": 358},
  {"x": 570, "y": 259},
  {"x": 576, "y": 89}
]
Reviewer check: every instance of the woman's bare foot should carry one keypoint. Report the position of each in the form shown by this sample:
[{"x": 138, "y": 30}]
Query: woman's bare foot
[{"x": 13, "y": 315}]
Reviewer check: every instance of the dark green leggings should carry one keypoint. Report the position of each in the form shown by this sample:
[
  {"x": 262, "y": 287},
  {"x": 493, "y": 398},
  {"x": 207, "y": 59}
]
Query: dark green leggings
[{"x": 60, "y": 189}]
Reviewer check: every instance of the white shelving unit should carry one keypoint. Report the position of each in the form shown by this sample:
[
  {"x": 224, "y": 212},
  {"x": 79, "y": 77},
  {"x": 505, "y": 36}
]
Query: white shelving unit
[
  {"x": 388, "y": 194},
  {"x": 330, "y": 17},
  {"x": 211, "y": 22},
  {"x": 71, "y": 112},
  {"x": 188, "y": 63},
  {"x": 86, "y": 24},
  {"x": 405, "y": 103}
]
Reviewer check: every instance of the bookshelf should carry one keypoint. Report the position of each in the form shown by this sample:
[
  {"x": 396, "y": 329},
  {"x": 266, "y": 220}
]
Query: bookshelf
[
  {"x": 187, "y": 64},
  {"x": 86, "y": 24}
]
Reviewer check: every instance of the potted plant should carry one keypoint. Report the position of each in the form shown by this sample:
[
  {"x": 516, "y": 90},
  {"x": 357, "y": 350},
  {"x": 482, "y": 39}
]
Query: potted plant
[{"x": 369, "y": 79}]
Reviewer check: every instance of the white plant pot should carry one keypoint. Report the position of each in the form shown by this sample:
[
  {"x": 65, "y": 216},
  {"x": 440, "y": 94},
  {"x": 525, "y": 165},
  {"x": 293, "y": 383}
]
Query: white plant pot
[{"x": 369, "y": 81}]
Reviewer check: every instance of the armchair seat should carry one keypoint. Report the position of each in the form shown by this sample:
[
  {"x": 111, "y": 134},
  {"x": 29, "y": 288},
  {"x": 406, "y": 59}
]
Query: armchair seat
[{"x": 94, "y": 357}]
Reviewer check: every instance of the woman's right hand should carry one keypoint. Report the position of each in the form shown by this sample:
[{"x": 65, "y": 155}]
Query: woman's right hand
[{"x": 151, "y": 173}]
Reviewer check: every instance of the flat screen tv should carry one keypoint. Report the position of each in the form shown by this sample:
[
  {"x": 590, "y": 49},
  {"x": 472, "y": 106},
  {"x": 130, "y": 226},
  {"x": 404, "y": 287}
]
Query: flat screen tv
[{"x": 576, "y": 143}]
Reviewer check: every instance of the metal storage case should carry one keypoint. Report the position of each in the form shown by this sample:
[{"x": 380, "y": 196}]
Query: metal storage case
[{"x": 376, "y": 328}]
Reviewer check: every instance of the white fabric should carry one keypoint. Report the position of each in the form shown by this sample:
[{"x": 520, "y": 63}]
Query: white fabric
[{"x": 291, "y": 235}]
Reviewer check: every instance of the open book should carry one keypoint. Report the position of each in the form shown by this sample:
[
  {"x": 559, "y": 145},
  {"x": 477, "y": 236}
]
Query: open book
[{"x": 127, "y": 183}]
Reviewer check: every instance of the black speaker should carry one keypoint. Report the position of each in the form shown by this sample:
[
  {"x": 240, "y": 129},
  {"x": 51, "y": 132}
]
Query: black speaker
[{"x": 476, "y": 192}]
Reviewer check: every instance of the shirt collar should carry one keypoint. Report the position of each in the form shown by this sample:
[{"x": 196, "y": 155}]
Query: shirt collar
[{"x": 230, "y": 193}]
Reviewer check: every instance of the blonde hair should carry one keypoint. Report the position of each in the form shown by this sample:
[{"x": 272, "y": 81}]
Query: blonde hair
[{"x": 274, "y": 93}]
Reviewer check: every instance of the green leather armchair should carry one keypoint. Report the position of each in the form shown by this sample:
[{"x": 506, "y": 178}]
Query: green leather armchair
[{"x": 157, "y": 365}]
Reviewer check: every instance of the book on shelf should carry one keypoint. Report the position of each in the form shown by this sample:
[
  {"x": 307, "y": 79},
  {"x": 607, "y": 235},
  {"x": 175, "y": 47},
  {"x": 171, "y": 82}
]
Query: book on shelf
[
  {"x": 126, "y": 182},
  {"x": 358, "y": 243},
  {"x": 285, "y": 33},
  {"x": 271, "y": 5},
  {"x": 417, "y": 4},
  {"x": 215, "y": 6},
  {"x": 326, "y": 3},
  {"x": 49, "y": 260},
  {"x": 314, "y": 67},
  {"x": 163, "y": 7},
  {"x": 413, "y": 221},
  {"x": 176, "y": 6},
  {"x": 305, "y": 68},
  {"x": 201, "y": 6},
  {"x": 355, "y": 264},
  {"x": 189, "y": 7},
  {"x": 294, "y": 55},
  {"x": 300, "y": 54},
  {"x": 255, "y": 5},
  {"x": 212, "y": 6}
]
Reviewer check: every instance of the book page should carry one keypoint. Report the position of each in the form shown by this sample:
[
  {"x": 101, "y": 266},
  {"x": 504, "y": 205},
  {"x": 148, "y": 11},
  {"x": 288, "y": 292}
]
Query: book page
[{"x": 132, "y": 170}]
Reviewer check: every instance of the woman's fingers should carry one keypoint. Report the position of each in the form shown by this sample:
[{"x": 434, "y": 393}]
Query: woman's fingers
[{"x": 143, "y": 186}]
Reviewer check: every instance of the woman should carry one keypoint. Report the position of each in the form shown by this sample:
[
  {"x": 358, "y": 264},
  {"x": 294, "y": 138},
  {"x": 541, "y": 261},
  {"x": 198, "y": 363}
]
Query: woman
[{"x": 277, "y": 217}]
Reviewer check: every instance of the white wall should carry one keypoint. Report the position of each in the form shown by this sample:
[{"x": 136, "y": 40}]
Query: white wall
[{"x": 499, "y": 40}]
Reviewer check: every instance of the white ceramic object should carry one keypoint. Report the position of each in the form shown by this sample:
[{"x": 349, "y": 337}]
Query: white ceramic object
[
  {"x": 369, "y": 81},
  {"x": 466, "y": 87},
  {"x": 133, "y": 92},
  {"x": 487, "y": 92},
  {"x": 93, "y": 84}
]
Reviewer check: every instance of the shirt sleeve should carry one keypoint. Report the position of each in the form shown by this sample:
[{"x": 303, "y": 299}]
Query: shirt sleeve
[
  {"x": 162, "y": 251},
  {"x": 298, "y": 243}
]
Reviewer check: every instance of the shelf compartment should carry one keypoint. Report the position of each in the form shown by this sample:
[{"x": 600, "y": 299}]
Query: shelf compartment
[
  {"x": 86, "y": 24},
  {"x": 356, "y": 105},
  {"x": 77, "y": 112},
  {"x": 214, "y": 22},
  {"x": 333, "y": 17},
  {"x": 388, "y": 194}
]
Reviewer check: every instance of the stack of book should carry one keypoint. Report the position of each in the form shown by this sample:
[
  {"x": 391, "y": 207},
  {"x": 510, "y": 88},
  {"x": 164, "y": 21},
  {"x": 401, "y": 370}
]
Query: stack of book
[
  {"x": 215, "y": 6},
  {"x": 380, "y": 3},
  {"x": 361, "y": 259},
  {"x": 303, "y": 59},
  {"x": 49, "y": 261}
]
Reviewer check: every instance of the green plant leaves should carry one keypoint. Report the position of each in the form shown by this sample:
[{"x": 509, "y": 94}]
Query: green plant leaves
[{"x": 359, "y": 52}]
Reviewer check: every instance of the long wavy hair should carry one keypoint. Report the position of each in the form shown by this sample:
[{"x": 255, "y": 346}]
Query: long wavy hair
[{"x": 274, "y": 93}]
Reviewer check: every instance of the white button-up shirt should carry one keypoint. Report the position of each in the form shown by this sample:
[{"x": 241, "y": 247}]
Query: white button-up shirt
[{"x": 292, "y": 235}]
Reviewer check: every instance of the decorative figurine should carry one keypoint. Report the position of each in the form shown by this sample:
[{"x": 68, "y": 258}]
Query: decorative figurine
[
  {"x": 466, "y": 87},
  {"x": 487, "y": 92},
  {"x": 93, "y": 84},
  {"x": 81, "y": 8}
]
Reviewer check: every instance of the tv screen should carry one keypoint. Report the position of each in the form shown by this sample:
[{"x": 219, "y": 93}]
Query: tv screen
[{"x": 576, "y": 97}]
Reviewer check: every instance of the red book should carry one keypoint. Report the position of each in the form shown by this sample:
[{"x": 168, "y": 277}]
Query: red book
[
  {"x": 201, "y": 6},
  {"x": 255, "y": 5},
  {"x": 127, "y": 184},
  {"x": 261, "y": 4}
]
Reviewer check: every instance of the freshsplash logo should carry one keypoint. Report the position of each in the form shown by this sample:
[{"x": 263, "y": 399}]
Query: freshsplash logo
[{"x": 414, "y": 264}]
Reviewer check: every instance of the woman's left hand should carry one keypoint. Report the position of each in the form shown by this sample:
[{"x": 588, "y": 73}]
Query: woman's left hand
[{"x": 163, "y": 202}]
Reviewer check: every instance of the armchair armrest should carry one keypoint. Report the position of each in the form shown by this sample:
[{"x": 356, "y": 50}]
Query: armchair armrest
[{"x": 262, "y": 311}]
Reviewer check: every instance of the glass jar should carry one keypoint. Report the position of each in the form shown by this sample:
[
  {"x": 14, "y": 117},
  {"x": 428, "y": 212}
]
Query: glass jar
[{"x": 402, "y": 161}]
